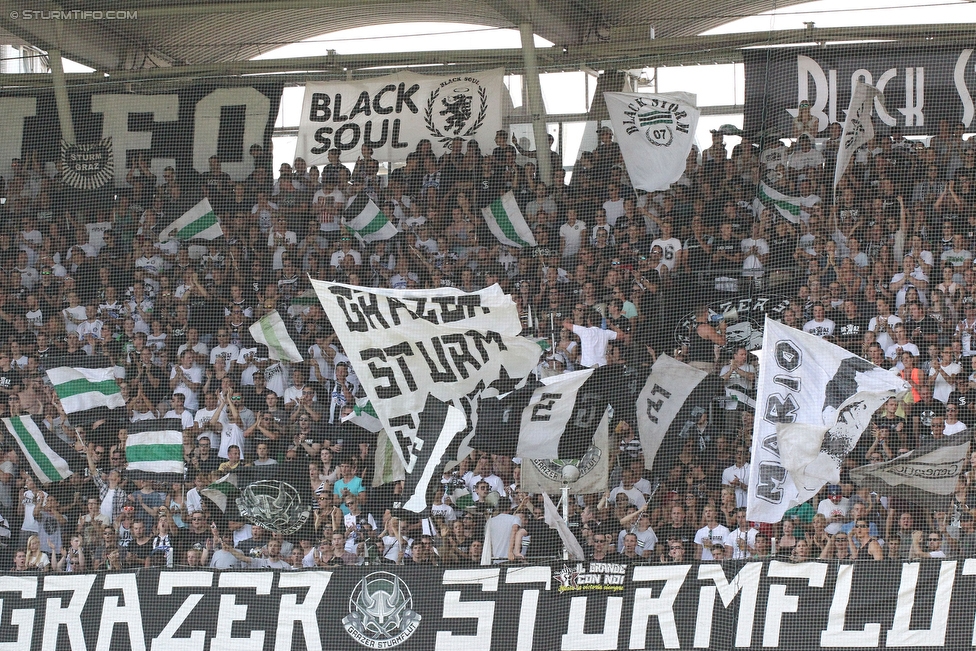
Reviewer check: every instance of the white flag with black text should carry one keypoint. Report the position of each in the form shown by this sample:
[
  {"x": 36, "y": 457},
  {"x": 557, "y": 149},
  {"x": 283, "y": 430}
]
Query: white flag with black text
[
  {"x": 814, "y": 400},
  {"x": 655, "y": 134},
  {"x": 667, "y": 387},
  {"x": 406, "y": 345}
]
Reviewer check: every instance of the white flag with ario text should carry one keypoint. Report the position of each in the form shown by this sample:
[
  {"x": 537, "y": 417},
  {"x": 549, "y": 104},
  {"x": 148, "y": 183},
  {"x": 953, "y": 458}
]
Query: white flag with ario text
[
  {"x": 655, "y": 134},
  {"x": 814, "y": 400},
  {"x": 858, "y": 127},
  {"x": 406, "y": 345}
]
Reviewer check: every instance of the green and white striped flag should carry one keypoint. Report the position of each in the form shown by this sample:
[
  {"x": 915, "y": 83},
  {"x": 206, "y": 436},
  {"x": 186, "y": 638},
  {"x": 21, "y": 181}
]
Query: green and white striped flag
[
  {"x": 48, "y": 466},
  {"x": 371, "y": 224},
  {"x": 790, "y": 208},
  {"x": 270, "y": 330},
  {"x": 506, "y": 223},
  {"x": 85, "y": 388},
  {"x": 197, "y": 223},
  {"x": 222, "y": 491},
  {"x": 154, "y": 447},
  {"x": 365, "y": 416}
]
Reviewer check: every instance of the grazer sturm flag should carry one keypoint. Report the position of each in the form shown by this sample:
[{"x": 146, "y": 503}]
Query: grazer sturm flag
[
  {"x": 926, "y": 476},
  {"x": 407, "y": 344},
  {"x": 813, "y": 401},
  {"x": 506, "y": 222},
  {"x": 655, "y": 134},
  {"x": 48, "y": 465},
  {"x": 664, "y": 394},
  {"x": 593, "y": 466},
  {"x": 155, "y": 447},
  {"x": 197, "y": 223},
  {"x": 790, "y": 208},
  {"x": 370, "y": 224},
  {"x": 79, "y": 389},
  {"x": 271, "y": 331},
  {"x": 858, "y": 127}
]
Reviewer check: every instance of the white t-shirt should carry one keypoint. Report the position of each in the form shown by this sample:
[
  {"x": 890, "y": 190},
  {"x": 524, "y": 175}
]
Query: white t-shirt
[
  {"x": 572, "y": 236},
  {"x": 706, "y": 537},
  {"x": 821, "y": 329},
  {"x": 593, "y": 345},
  {"x": 670, "y": 248}
]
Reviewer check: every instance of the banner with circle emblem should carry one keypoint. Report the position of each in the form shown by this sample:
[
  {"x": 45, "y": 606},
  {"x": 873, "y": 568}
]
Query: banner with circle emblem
[
  {"x": 392, "y": 114},
  {"x": 655, "y": 134}
]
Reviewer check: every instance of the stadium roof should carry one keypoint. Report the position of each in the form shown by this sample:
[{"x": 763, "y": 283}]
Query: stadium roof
[{"x": 164, "y": 38}]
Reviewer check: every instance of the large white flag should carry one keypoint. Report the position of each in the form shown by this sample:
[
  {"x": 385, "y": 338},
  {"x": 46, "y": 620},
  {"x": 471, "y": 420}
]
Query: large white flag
[
  {"x": 858, "y": 127},
  {"x": 405, "y": 345},
  {"x": 655, "y": 134},
  {"x": 814, "y": 399}
]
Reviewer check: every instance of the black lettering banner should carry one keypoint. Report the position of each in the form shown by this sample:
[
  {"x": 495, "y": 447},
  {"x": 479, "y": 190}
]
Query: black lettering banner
[
  {"x": 181, "y": 128},
  {"x": 920, "y": 85},
  {"x": 564, "y": 606}
]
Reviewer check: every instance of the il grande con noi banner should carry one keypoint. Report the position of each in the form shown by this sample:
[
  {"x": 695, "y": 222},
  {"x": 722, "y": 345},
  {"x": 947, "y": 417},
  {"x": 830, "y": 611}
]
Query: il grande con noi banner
[
  {"x": 566, "y": 607},
  {"x": 182, "y": 128},
  {"x": 392, "y": 114}
]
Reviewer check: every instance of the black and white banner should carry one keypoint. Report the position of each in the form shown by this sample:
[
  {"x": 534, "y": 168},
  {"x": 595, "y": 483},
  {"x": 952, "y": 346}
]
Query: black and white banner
[
  {"x": 925, "y": 476},
  {"x": 664, "y": 394},
  {"x": 570, "y": 606},
  {"x": 392, "y": 114},
  {"x": 182, "y": 128},
  {"x": 919, "y": 85},
  {"x": 588, "y": 472},
  {"x": 407, "y": 345},
  {"x": 87, "y": 167},
  {"x": 813, "y": 401},
  {"x": 655, "y": 134}
]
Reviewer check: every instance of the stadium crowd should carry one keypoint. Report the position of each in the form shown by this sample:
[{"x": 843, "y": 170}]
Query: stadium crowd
[{"x": 886, "y": 271}]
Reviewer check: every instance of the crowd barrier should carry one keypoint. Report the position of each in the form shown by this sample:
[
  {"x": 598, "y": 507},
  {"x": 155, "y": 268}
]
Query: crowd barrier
[{"x": 562, "y": 606}]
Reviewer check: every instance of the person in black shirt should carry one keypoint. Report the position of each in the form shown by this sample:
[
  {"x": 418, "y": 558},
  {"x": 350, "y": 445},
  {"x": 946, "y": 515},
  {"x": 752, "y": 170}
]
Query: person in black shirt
[{"x": 849, "y": 327}]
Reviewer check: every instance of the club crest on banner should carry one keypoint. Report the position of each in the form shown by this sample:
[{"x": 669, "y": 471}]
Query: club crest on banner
[
  {"x": 656, "y": 119},
  {"x": 380, "y": 612},
  {"x": 87, "y": 167},
  {"x": 744, "y": 317},
  {"x": 552, "y": 469},
  {"x": 273, "y": 505},
  {"x": 457, "y": 108}
]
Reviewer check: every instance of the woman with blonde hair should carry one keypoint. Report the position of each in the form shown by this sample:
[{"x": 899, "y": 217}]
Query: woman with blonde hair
[{"x": 36, "y": 559}]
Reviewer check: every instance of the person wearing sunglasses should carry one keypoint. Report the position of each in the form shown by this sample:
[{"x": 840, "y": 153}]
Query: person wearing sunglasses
[{"x": 864, "y": 546}]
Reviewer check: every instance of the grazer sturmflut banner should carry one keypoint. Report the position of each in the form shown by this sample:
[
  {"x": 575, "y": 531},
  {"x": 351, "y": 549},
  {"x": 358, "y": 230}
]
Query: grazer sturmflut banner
[
  {"x": 392, "y": 114},
  {"x": 182, "y": 128},
  {"x": 566, "y": 606},
  {"x": 919, "y": 85}
]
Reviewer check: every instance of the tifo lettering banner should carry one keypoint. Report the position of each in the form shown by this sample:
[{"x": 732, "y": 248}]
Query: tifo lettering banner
[
  {"x": 392, "y": 114},
  {"x": 920, "y": 85},
  {"x": 571, "y": 606},
  {"x": 406, "y": 345},
  {"x": 183, "y": 128}
]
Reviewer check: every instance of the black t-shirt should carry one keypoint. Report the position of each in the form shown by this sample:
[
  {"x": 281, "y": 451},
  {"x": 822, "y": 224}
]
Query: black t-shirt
[
  {"x": 10, "y": 380},
  {"x": 544, "y": 541},
  {"x": 849, "y": 332}
]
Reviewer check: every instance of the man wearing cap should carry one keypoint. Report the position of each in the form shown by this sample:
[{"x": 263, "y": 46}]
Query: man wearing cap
[{"x": 834, "y": 507}]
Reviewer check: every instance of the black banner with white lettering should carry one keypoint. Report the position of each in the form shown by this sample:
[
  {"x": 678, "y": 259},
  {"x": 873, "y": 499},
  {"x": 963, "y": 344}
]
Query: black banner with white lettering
[
  {"x": 567, "y": 606},
  {"x": 920, "y": 85},
  {"x": 181, "y": 128}
]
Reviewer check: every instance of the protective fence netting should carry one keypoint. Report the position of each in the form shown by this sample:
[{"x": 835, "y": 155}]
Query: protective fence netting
[{"x": 276, "y": 333}]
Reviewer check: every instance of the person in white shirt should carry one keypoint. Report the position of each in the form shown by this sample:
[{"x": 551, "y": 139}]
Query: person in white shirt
[
  {"x": 737, "y": 476},
  {"x": 224, "y": 353},
  {"x": 952, "y": 423},
  {"x": 593, "y": 339},
  {"x": 739, "y": 543},
  {"x": 670, "y": 246},
  {"x": 179, "y": 411},
  {"x": 571, "y": 234},
  {"x": 902, "y": 344},
  {"x": 819, "y": 325},
  {"x": 834, "y": 508},
  {"x": 613, "y": 207},
  {"x": 187, "y": 378},
  {"x": 711, "y": 533}
]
